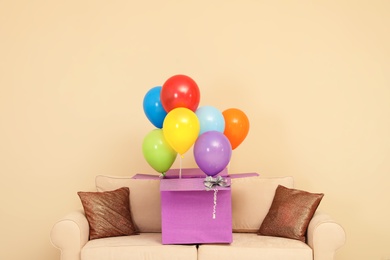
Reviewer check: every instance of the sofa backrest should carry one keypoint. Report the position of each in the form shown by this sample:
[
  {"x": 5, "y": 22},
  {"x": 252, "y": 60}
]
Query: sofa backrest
[
  {"x": 145, "y": 199},
  {"x": 251, "y": 199}
]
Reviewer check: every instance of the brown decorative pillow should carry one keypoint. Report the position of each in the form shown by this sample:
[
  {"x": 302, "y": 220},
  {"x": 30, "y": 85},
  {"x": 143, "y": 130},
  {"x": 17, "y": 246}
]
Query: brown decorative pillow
[
  {"x": 290, "y": 213},
  {"x": 108, "y": 213}
]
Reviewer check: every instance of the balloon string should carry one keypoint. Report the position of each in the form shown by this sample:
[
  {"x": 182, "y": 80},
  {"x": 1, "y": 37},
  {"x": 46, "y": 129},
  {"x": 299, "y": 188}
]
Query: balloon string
[{"x": 181, "y": 157}]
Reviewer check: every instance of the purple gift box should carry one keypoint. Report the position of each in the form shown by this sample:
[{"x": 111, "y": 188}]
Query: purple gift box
[{"x": 193, "y": 215}]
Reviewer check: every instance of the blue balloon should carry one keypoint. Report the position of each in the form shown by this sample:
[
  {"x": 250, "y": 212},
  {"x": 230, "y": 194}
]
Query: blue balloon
[
  {"x": 210, "y": 119},
  {"x": 153, "y": 108}
]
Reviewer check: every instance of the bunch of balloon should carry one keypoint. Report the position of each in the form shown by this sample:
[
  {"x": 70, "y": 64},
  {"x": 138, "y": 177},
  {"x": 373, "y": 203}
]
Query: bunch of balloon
[{"x": 171, "y": 108}]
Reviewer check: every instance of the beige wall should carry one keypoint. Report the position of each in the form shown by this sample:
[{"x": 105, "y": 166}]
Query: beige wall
[{"x": 313, "y": 78}]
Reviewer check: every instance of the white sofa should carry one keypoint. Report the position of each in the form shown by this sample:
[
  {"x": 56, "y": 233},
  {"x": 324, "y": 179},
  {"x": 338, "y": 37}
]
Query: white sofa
[{"x": 251, "y": 200}]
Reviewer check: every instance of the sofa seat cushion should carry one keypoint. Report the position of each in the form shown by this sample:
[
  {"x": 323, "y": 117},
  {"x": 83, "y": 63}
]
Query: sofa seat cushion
[
  {"x": 142, "y": 246},
  {"x": 250, "y": 246}
]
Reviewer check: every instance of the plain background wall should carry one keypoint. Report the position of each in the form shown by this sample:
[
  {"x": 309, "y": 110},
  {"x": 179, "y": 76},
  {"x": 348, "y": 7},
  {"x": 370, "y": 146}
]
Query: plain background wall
[{"x": 312, "y": 76}]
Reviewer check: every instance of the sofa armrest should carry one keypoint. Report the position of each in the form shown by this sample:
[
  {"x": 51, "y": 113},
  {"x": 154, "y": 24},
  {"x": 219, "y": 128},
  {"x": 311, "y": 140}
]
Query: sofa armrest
[
  {"x": 70, "y": 234},
  {"x": 324, "y": 236}
]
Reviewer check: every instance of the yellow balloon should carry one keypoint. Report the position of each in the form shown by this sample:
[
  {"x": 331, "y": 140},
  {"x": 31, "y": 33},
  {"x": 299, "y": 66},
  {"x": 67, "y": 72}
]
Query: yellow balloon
[{"x": 181, "y": 129}]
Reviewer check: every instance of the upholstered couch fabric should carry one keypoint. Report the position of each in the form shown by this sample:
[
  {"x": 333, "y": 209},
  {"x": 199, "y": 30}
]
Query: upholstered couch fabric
[
  {"x": 251, "y": 246},
  {"x": 251, "y": 200},
  {"x": 145, "y": 199},
  {"x": 143, "y": 246}
]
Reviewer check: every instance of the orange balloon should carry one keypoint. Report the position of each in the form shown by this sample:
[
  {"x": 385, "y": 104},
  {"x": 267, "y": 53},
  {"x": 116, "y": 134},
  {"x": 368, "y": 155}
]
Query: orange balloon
[{"x": 236, "y": 126}]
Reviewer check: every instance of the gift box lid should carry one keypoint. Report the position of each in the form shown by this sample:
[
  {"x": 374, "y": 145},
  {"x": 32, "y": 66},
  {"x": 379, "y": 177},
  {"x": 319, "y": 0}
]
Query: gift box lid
[
  {"x": 191, "y": 184},
  {"x": 190, "y": 173}
]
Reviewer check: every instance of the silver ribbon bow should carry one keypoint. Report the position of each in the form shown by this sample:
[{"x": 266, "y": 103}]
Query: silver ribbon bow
[{"x": 210, "y": 182}]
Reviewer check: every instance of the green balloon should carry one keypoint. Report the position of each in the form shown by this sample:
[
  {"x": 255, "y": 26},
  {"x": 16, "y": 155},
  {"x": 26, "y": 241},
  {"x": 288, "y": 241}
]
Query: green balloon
[{"x": 157, "y": 152}]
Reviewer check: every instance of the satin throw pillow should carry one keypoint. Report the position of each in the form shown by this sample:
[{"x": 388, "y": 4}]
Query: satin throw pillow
[
  {"x": 290, "y": 213},
  {"x": 108, "y": 213}
]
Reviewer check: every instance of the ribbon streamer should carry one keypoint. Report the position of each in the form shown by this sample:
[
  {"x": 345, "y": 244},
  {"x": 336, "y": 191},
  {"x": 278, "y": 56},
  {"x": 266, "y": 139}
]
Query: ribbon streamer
[
  {"x": 215, "y": 204},
  {"x": 212, "y": 183}
]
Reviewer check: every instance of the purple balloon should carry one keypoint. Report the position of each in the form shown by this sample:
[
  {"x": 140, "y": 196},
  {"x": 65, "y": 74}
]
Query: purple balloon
[{"x": 212, "y": 152}]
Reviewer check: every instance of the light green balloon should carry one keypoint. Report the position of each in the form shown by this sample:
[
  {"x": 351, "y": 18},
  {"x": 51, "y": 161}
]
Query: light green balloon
[{"x": 157, "y": 152}]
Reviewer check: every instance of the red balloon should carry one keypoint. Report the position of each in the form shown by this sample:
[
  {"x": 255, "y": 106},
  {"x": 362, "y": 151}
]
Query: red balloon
[{"x": 180, "y": 91}]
